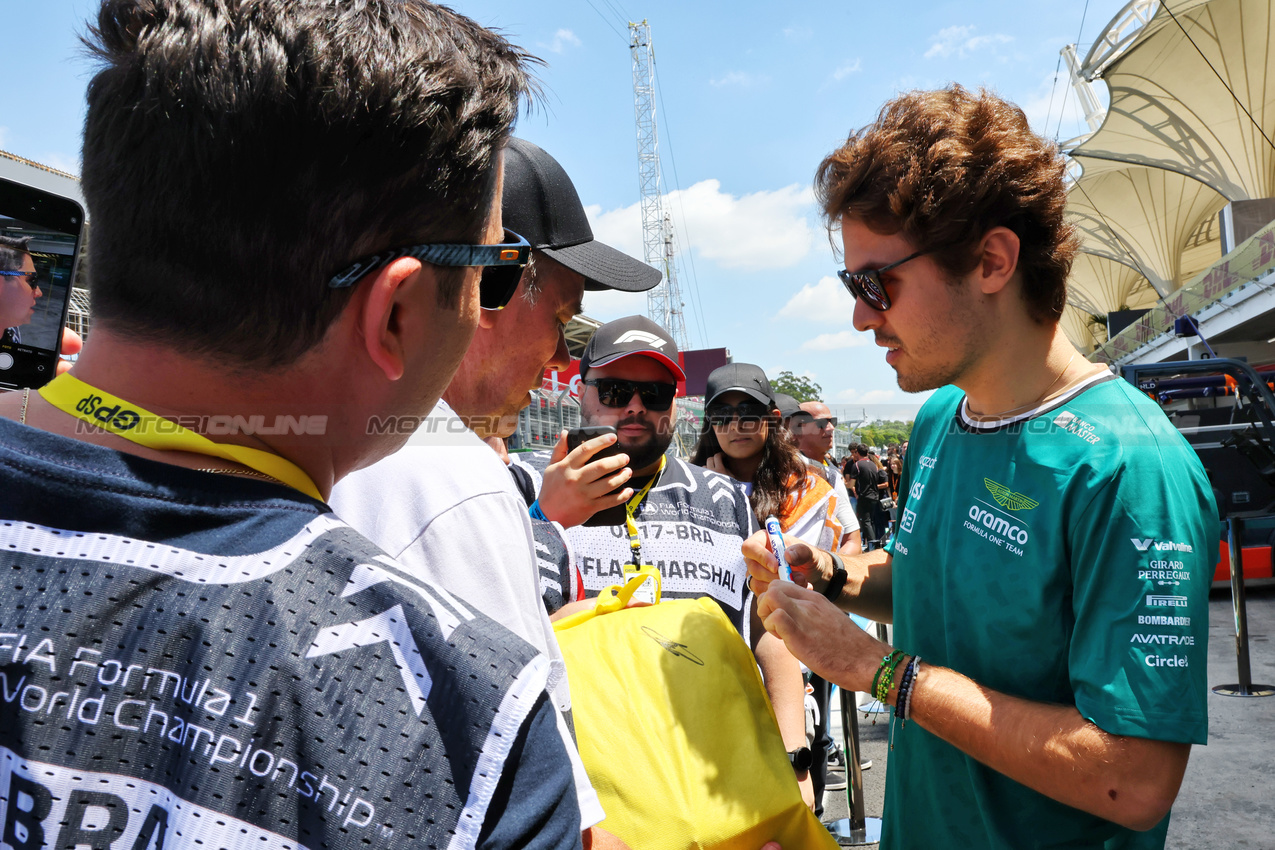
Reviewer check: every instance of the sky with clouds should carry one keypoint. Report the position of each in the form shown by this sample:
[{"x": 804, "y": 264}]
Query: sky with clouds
[{"x": 752, "y": 95}]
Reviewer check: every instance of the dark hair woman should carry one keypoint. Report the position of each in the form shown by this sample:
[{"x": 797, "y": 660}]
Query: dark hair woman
[{"x": 742, "y": 437}]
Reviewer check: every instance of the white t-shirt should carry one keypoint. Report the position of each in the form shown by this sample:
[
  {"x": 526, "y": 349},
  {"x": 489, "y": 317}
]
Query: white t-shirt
[{"x": 445, "y": 507}]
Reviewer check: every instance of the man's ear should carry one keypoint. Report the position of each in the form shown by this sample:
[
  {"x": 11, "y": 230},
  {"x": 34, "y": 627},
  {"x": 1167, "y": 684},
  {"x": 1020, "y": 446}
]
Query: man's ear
[
  {"x": 380, "y": 321},
  {"x": 488, "y": 319},
  {"x": 1000, "y": 247}
]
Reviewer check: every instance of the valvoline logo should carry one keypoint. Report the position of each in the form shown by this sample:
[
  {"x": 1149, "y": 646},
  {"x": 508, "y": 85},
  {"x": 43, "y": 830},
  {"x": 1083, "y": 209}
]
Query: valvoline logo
[{"x": 115, "y": 416}]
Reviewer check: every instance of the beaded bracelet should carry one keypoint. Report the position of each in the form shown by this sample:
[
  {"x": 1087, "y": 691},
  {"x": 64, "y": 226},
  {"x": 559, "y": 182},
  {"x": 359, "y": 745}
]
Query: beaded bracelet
[
  {"x": 887, "y": 660},
  {"x": 884, "y": 680},
  {"x": 901, "y": 700},
  {"x": 903, "y": 705}
]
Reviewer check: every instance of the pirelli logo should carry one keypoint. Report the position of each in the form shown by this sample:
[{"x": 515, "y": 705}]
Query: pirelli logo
[{"x": 1166, "y": 601}]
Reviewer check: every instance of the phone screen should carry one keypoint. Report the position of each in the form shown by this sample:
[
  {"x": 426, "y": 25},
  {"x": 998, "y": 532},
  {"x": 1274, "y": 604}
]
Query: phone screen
[{"x": 33, "y": 302}]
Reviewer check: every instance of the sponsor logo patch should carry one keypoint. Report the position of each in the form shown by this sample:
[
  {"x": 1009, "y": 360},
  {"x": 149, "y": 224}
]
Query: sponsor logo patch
[
  {"x": 1142, "y": 544},
  {"x": 1154, "y": 601},
  {"x": 1007, "y": 498}
]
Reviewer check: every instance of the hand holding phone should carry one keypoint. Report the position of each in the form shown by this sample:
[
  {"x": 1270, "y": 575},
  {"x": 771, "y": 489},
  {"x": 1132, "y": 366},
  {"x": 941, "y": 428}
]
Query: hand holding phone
[
  {"x": 586, "y": 474},
  {"x": 40, "y": 239}
]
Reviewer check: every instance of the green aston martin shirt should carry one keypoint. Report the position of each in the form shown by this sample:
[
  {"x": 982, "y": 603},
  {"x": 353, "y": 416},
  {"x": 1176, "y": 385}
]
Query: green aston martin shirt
[{"x": 1063, "y": 556}]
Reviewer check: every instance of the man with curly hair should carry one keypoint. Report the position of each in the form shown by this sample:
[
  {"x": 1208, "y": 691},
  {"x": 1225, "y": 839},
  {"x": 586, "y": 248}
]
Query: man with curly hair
[{"x": 1048, "y": 582}]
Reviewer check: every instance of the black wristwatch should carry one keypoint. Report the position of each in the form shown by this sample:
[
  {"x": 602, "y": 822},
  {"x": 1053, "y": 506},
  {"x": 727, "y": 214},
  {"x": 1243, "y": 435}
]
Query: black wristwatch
[
  {"x": 838, "y": 581},
  {"x": 801, "y": 759}
]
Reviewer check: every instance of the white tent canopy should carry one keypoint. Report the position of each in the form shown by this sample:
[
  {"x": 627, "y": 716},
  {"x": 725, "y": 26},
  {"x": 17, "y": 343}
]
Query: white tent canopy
[{"x": 1189, "y": 128}]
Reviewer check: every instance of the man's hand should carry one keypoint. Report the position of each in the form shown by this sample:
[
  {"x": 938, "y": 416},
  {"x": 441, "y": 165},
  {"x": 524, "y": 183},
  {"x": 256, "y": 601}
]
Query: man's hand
[
  {"x": 810, "y": 567},
  {"x": 574, "y": 489},
  {"x": 821, "y": 636},
  {"x": 717, "y": 463}
]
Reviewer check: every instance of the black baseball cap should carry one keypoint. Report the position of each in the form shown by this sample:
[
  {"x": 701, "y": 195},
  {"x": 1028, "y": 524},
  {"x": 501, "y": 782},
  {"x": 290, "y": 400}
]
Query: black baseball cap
[
  {"x": 540, "y": 204},
  {"x": 743, "y": 377},
  {"x": 626, "y": 337},
  {"x": 788, "y": 406}
]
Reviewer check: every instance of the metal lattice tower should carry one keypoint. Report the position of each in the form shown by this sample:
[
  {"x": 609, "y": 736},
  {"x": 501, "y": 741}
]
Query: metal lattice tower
[{"x": 664, "y": 302}]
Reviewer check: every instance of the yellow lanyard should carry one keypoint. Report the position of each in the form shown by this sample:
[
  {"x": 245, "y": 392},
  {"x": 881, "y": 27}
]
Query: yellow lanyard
[
  {"x": 103, "y": 410},
  {"x": 631, "y": 509}
]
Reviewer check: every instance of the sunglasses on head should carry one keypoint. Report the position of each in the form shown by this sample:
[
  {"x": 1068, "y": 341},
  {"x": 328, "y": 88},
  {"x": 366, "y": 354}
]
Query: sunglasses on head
[
  {"x": 867, "y": 284},
  {"x": 615, "y": 392},
  {"x": 29, "y": 277},
  {"x": 502, "y": 265},
  {"x": 721, "y": 415}
]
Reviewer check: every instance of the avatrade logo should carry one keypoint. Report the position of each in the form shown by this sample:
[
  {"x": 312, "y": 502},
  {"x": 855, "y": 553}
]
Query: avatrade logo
[
  {"x": 1007, "y": 498},
  {"x": 1164, "y": 640},
  {"x": 642, "y": 337},
  {"x": 1143, "y": 545}
]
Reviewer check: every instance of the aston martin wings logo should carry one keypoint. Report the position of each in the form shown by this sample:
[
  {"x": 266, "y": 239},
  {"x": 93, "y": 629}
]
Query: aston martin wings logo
[{"x": 1007, "y": 498}]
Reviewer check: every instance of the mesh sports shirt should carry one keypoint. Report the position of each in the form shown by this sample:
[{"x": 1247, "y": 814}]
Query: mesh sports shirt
[
  {"x": 1063, "y": 556},
  {"x": 190, "y": 659},
  {"x": 691, "y": 526}
]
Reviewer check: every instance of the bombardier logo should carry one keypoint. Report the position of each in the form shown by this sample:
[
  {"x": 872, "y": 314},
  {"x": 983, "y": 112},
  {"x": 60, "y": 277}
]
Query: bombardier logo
[
  {"x": 1143, "y": 544},
  {"x": 641, "y": 336}
]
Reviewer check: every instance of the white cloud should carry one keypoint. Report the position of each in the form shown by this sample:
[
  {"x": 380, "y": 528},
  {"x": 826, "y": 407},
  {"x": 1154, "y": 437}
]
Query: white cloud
[
  {"x": 609, "y": 304},
  {"x": 742, "y": 79},
  {"x": 763, "y": 230},
  {"x": 562, "y": 39},
  {"x": 846, "y": 70},
  {"x": 961, "y": 41},
  {"x": 837, "y": 341},
  {"x": 798, "y": 33},
  {"x": 826, "y": 302}
]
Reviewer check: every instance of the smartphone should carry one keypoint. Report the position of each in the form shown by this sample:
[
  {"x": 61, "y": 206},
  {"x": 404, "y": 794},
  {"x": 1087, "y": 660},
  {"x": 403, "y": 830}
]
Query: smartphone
[
  {"x": 32, "y": 314},
  {"x": 584, "y": 433}
]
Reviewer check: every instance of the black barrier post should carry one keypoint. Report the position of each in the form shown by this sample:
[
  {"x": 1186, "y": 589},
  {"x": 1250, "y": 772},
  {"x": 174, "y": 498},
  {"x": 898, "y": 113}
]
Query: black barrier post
[
  {"x": 1239, "y": 603},
  {"x": 857, "y": 829}
]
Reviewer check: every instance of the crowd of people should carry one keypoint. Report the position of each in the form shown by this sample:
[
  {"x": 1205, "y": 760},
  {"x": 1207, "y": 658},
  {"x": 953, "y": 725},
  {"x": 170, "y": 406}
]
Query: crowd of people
[{"x": 341, "y": 633}]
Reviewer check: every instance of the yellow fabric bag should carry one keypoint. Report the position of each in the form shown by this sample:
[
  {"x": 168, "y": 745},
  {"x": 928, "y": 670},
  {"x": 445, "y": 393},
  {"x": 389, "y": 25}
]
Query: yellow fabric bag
[{"x": 676, "y": 730}]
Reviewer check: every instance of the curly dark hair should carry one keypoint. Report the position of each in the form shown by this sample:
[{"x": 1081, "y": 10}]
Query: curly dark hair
[
  {"x": 781, "y": 463},
  {"x": 944, "y": 167},
  {"x": 239, "y": 154}
]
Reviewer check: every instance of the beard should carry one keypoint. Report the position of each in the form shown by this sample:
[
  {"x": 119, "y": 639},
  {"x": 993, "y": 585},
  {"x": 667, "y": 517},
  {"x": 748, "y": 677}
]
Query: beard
[{"x": 643, "y": 453}]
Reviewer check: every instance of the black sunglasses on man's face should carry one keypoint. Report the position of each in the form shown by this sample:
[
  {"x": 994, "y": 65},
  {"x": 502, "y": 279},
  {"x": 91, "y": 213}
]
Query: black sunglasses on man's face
[
  {"x": 867, "y": 284},
  {"x": 615, "y": 392},
  {"x": 502, "y": 265}
]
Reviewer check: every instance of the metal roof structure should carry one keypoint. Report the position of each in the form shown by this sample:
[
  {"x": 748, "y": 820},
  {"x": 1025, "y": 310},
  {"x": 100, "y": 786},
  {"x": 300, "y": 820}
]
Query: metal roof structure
[{"x": 1189, "y": 128}]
